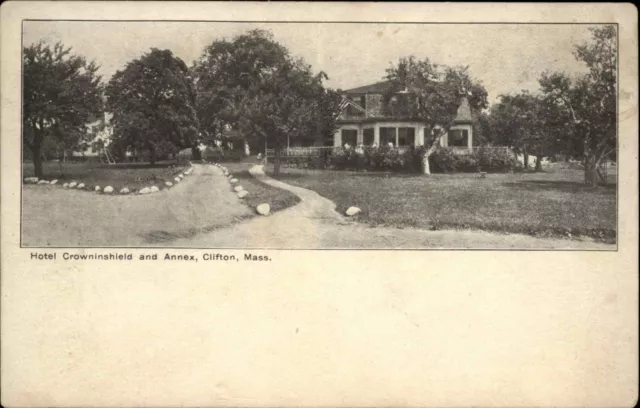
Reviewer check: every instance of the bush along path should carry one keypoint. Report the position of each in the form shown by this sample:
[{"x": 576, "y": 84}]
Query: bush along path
[{"x": 153, "y": 186}]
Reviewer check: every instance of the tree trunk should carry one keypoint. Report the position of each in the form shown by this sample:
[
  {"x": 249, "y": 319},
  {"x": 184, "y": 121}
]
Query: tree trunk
[
  {"x": 590, "y": 172},
  {"x": 276, "y": 160},
  {"x": 526, "y": 160},
  {"x": 538, "y": 163},
  {"x": 152, "y": 156},
  {"x": 195, "y": 153},
  {"x": 36, "y": 151},
  {"x": 426, "y": 168}
]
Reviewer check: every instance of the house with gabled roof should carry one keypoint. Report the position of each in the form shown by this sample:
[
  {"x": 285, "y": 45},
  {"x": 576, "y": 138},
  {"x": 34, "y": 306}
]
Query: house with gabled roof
[{"x": 362, "y": 121}]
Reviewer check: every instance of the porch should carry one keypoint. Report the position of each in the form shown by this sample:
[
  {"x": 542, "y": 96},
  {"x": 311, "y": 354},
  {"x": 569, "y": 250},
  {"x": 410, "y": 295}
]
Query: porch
[{"x": 399, "y": 134}]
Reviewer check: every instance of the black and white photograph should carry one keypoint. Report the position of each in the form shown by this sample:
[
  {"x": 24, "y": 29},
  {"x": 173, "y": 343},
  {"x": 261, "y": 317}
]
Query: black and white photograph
[
  {"x": 319, "y": 135},
  {"x": 315, "y": 204}
]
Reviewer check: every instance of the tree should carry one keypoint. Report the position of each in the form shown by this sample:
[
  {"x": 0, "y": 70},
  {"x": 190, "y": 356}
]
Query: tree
[
  {"x": 589, "y": 102},
  {"x": 252, "y": 84},
  {"x": 434, "y": 94},
  {"x": 526, "y": 123},
  {"x": 153, "y": 104},
  {"x": 61, "y": 93}
]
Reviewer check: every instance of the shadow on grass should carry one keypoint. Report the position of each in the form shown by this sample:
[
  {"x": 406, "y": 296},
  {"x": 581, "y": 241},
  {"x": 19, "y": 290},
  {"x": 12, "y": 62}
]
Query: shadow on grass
[
  {"x": 159, "y": 236},
  {"x": 561, "y": 186}
]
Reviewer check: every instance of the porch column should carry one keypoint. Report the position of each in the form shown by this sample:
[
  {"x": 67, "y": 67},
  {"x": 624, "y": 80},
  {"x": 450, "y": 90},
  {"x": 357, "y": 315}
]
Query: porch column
[
  {"x": 360, "y": 135},
  {"x": 376, "y": 134},
  {"x": 470, "y": 138},
  {"x": 337, "y": 138},
  {"x": 420, "y": 136}
]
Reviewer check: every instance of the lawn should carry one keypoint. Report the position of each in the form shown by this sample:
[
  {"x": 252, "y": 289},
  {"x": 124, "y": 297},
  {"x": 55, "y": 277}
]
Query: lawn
[
  {"x": 260, "y": 192},
  {"x": 554, "y": 203},
  {"x": 132, "y": 175}
]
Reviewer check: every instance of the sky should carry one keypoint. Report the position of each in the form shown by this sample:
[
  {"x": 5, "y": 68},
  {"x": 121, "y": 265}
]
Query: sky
[{"x": 505, "y": 58}]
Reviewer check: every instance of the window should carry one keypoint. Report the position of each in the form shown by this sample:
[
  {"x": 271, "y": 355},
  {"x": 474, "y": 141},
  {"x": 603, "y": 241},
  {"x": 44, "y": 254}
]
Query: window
[
  {"x": 368, "y": 137},
  {"x": 387, "y": 135},
  {"x": 406, "y": 136},
  {"x": 458, "y": 137},
  {"x": 328, "y": 141},
  {"x": 350, "y": 136}
]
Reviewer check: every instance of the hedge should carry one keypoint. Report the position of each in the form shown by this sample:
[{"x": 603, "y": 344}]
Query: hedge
[{"x": 444, "y": 160}]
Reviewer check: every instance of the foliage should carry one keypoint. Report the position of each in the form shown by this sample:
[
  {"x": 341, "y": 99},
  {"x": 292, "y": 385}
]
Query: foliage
[
  {"x": 382, "y": 158},
  {"x": 252, "y": 84},
  {"x": 589, "y": 102},
  {"x": 153, "y": 105},
  {"x": 61, "y": 94},
  {"x": 217, "y": 154},
  {"x": 444, "y": 160},
  {"x": 433, "y": 95},
  {"x": 527, "y": 123}
]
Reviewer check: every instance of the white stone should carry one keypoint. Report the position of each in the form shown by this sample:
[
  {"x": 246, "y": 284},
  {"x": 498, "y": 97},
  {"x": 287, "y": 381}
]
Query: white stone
[
  {"x": 242, "y": 194},
  {"x": 233, "y": 181},
  {"x": 124, "y": 190},
  {"x": 108, "y": 190},
  {"x": 43, "y": 182},
  {"x": 81, "y": 185},
  {"x": 53, "y": 182},
  {"x": 73, "y": 184},
  {"x": 154, "y": 189},
  {"x": 65, "y": 185},
  {"x": 177, "y": 179},
  {"x": 352, "y": 211},
  {"x": 145, "y": 190},
  {"x": 96, "y": 188},
  {"x": 263, "y": 209},
  {"x": 238, "y": 188},
  {"x": 168, "y": 183}
]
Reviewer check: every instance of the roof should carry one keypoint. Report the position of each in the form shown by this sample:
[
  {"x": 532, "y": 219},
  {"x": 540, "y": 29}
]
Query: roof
[
  {"x": 378, "y": 87},
  {"x": 464, "y": 112}
]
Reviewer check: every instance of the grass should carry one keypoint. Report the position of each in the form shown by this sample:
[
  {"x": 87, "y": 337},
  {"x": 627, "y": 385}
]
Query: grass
[
  {"x": 554, "y": 203},
  {"x": 204, "y": 202},
  {"x": 132, "y": 175},
  {"x": 260, "y": 192}
]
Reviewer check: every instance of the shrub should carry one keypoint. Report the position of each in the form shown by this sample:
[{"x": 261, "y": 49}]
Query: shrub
[
  {"x": 216, "y": 154},
  {"x": 443, "y": 160},
  {"x": 497, "y": 160}
]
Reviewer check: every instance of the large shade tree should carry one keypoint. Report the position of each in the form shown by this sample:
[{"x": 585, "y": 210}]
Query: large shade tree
[
  {"x": 153, "y": 101},
  {"x": 589, "y": 102},
  {"x": 60, "y": 96},
  {"x": 251, "y": 83},
  {"x": 529, "y": 124},
  {"x": 433, "y": 94}
]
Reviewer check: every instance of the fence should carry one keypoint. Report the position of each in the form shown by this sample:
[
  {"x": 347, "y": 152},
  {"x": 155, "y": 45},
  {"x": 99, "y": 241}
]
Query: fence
[{"x": 320, "y": 151}]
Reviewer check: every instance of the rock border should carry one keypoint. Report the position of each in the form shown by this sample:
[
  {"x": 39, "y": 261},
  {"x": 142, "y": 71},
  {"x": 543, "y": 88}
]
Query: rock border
[{"x": 110, "y": 190}]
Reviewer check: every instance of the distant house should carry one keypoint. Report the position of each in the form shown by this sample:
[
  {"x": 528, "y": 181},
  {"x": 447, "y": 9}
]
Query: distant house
[
  {"x": 362, "y": 122},
  {"x": 99, "y": 132}
]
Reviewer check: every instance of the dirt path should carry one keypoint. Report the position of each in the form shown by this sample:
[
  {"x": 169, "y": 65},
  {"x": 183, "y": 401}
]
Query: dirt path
[{"x": 314, "y": 223}]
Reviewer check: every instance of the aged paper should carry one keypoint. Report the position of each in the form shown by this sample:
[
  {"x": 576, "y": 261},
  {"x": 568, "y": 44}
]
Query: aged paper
[{"x": 149, "y": 300}]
